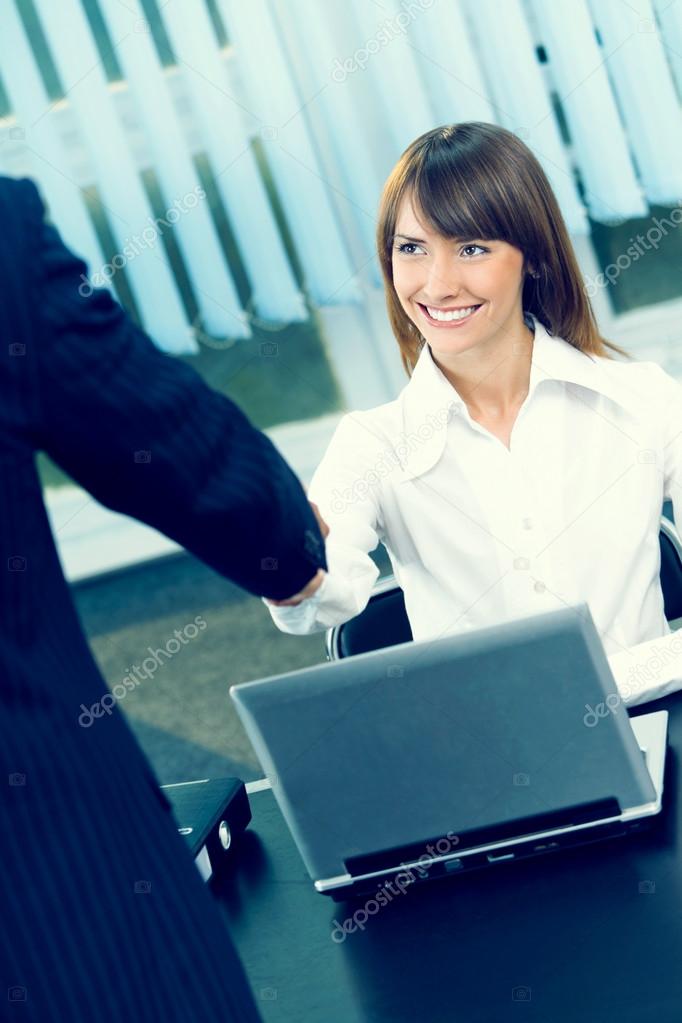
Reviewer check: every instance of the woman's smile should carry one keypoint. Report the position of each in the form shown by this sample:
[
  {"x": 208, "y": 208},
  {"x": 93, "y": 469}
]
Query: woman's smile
[{"x": 449, "y": 318}]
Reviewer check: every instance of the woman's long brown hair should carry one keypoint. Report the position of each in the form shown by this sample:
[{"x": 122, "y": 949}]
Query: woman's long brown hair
[{"x": 477, "y": 180}]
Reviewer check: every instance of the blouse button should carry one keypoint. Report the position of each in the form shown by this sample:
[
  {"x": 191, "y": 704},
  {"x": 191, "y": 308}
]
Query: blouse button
[
  {"x": 527, "y": 523},
  {"x": 539, "y": 587}
]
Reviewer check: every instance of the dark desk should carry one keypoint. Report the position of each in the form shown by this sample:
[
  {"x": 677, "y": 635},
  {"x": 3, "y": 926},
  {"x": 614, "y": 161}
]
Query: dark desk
[{"x": 591, "y": 935}]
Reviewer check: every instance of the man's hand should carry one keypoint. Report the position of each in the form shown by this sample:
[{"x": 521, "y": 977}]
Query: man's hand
[{"x": 316, "y": 581}]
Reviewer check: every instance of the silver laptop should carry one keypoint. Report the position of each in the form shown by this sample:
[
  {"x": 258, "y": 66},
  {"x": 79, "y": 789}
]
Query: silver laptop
[{"x": 433, "y": 758}]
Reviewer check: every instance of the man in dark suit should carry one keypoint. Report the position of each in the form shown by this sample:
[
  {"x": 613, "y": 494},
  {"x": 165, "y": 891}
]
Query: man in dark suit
[{"x": 104, "y": 916}]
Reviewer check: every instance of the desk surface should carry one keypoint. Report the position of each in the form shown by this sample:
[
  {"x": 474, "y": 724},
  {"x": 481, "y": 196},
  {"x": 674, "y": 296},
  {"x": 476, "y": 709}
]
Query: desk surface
[{"x": 591, "y": 934}]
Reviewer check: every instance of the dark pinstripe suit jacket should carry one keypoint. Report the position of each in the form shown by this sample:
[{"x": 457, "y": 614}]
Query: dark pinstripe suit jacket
[{"x": 81, "y": 818}]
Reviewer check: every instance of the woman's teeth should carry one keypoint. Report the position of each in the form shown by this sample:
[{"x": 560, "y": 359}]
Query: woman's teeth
[{"x": 455, "y": 314}]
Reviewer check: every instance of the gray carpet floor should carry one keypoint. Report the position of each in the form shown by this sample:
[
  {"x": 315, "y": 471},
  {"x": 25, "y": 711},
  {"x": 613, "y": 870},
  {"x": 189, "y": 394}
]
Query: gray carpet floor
[{"x": 182, "y": 714}]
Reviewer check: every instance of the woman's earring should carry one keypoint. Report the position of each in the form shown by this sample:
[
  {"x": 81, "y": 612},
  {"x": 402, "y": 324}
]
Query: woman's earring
[{"x": 535, "y": 274}]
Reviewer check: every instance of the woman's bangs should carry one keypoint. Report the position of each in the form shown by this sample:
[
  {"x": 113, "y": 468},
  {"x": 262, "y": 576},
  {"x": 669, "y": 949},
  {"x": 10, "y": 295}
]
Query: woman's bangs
[{"x": 454, "y": 201}]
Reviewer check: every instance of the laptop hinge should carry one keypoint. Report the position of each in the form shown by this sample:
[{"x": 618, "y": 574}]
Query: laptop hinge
[{"x": 582, "y": 813}]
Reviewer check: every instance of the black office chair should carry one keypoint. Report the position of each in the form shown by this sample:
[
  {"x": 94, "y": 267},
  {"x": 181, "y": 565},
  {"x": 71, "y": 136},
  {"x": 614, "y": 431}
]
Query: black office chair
[
  {"x": 384, "y": 621},
  {"x": 671, "y": 569}
]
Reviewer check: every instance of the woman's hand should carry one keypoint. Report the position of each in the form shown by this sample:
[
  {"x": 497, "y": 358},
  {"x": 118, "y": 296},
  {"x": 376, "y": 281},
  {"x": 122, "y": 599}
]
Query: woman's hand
[{"x": 324, "y": 528}]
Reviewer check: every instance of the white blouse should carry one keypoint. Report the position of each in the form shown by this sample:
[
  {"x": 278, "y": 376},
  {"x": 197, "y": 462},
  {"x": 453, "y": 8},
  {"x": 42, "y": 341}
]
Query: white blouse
[{"x": 478, "y": 533}]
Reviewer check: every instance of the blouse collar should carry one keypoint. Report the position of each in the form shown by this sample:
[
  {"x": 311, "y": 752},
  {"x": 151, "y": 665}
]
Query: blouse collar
[{"x": 429, "y": 401}]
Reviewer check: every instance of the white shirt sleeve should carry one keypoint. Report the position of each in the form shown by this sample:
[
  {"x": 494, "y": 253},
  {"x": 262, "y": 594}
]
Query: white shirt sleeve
[
  {"x": 653, "y": 669},
  {"x": 648, "y": 670},
  {"x": 345, "y": 489}
]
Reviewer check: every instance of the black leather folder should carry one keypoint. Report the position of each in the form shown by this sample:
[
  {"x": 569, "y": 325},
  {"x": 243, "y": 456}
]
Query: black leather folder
[{"x": 211, "y": 814}]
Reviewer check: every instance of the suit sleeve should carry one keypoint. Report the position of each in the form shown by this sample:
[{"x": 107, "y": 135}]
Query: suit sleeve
[
  {"x": 143, "y": 433},
  {"x": 345, "y": 488}
]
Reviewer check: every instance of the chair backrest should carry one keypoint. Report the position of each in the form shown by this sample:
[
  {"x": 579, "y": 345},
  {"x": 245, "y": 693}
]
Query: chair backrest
[
  {"x": 671, "y": 569},
  {"x": 384, "y": 621}
]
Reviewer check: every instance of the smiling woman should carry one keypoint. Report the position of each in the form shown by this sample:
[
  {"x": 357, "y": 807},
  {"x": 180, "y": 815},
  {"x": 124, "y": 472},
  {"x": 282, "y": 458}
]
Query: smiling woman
[
  {"x": 523, "y": 467},
  {"x": 469, "y": 206},
  {"x": 469, "y": 236}
]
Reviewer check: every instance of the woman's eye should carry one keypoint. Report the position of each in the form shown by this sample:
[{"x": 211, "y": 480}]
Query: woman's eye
[
  {"x": 405, "y": 246},
  {"x": 410, "y": 249}
]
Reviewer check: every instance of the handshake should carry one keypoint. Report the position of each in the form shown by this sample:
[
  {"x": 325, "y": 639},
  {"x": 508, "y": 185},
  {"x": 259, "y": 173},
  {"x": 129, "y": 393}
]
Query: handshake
[{"x": 316, "y": 581}]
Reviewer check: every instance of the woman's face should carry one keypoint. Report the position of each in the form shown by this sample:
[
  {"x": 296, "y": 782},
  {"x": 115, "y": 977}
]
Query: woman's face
[{"x": 460, "y": 293}]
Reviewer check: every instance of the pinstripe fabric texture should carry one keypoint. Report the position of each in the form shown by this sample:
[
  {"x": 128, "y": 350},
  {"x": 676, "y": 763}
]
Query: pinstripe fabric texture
[{"x": 103, "y": 915}]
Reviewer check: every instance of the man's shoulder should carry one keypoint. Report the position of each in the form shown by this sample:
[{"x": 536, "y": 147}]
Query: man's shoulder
[
  {"x": 21, "y": 211},
  {"x": 18, "y": 192}
]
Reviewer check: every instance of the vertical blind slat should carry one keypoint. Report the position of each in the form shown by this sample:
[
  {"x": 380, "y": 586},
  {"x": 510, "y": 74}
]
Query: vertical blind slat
[
  {"x": 648, "y": 102},
  {"x": 576, "y": 65},
  {"x": 522, "y": 103},
  {"x": 212, "y": 283},
  {"x": 332, "y": 94},
  {"x": 670, "y": 20},
  {"x": 221, "y": 118},
  {"x": 391, "y": 76},
  {"x": 290, "y": 152},
  {"x": 149, "y": 274},
  {"x": 449, "y": 64},
  {"x": 30, "y": 104},
  {"x": 350, "y": 142}
]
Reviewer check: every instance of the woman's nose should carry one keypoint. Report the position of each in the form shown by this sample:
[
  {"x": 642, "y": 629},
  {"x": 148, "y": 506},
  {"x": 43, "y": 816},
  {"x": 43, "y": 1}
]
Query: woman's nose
[{"x": 442, "y": 280}]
